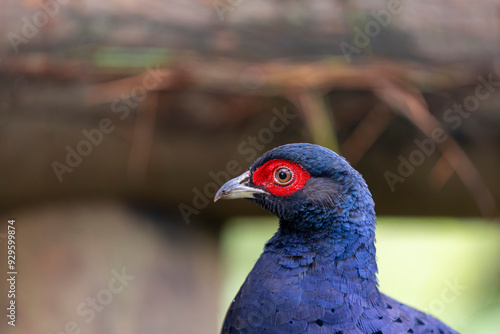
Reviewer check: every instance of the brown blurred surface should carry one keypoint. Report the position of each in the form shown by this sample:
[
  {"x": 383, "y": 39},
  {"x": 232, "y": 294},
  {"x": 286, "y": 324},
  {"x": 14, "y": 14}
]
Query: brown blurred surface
[
  {"x": 66, "y": 253},
  {"x": 221, "y": 84}
]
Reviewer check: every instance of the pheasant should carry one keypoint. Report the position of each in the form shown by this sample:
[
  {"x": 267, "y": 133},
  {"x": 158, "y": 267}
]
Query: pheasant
[{"x": 317, "y": 274}]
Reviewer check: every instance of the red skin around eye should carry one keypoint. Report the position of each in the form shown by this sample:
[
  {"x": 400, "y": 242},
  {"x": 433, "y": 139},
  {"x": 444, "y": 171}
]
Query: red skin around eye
[{"x": 264, "y": 176}]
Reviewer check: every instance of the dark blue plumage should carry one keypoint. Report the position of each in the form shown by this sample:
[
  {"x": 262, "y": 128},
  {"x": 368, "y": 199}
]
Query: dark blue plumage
[{"x": 317, "y": 274}]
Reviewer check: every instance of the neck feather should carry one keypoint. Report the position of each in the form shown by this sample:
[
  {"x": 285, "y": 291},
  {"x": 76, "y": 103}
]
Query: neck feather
[{"x": 342, "y": 247}]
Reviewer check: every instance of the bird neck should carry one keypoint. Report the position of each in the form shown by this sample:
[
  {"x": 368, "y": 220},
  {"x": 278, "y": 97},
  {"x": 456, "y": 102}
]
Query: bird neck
[{"x": 346, "y": 249}]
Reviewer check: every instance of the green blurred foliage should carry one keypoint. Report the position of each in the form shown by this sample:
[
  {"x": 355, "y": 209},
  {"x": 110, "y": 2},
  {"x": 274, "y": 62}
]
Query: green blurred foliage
[{"x": 444, "y": 266}]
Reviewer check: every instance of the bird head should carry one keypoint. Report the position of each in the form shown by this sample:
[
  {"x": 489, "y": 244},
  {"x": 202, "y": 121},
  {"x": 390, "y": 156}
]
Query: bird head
[{"x": 307, "y": 187}]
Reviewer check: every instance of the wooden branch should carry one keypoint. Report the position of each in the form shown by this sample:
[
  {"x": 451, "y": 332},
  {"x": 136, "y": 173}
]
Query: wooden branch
[
  {"x": 410, "y": 103},
  {"x": 318, "y": 118},
  {"x": 142, "y": 139},
  {"x": 365, "y": 135},
  {"x": 440, "y": 173},
  {"x": 224, "y": 75}
]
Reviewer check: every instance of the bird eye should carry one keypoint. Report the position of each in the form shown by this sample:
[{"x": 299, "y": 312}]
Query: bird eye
[
  {"x": 280, "y": 177},
  {"x": 283, "y": 176}
]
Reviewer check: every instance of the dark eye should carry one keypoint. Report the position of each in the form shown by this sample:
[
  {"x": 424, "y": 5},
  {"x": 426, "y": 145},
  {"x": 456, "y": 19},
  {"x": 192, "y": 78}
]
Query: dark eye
[{"x": 283, "y": 176}]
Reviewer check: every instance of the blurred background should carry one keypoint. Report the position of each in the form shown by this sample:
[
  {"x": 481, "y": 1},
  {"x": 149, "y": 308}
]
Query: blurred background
[{"x": 120, "y": 119}]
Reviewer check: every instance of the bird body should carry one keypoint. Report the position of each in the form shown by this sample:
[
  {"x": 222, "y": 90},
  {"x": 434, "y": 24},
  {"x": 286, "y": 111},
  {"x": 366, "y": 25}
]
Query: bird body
[{"x": 317, "y": 274}]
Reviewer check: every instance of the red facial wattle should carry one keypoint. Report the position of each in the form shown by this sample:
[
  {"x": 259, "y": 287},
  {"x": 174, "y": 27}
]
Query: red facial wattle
[{"x": 281, "y": 177}]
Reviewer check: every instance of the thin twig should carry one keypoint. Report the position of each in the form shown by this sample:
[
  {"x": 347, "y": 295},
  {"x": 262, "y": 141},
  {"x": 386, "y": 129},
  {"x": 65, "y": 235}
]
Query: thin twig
[
  {"x": 142, "y": 139},
  {"x": 409, "y": 103},
  {"x": 440, "y": 173},
  {"x": 367, "y": 132},
  {"x": 318, "y": 118}
]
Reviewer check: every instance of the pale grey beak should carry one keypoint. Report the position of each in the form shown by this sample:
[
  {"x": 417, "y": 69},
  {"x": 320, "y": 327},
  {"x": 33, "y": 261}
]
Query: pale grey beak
[{"x": 238, "y": 188}]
